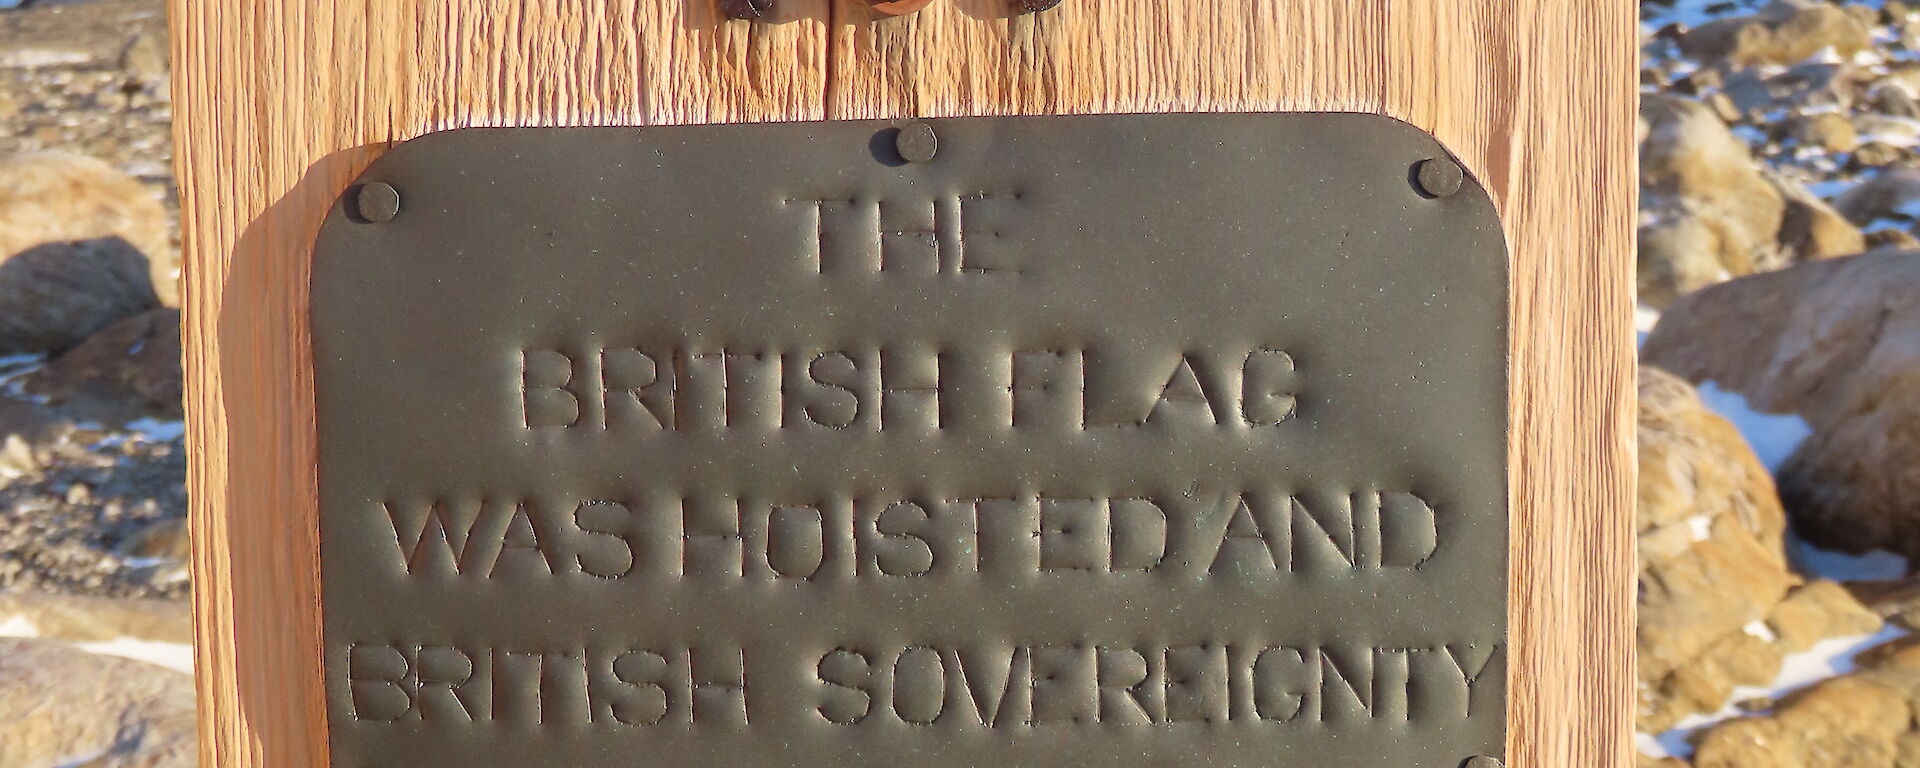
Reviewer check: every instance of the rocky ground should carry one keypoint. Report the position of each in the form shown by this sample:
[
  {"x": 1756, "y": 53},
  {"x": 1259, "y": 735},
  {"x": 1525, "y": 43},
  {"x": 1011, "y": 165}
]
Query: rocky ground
[
  {"x": 93, "y": 541},
  {"x": 1779, "y": 272}
]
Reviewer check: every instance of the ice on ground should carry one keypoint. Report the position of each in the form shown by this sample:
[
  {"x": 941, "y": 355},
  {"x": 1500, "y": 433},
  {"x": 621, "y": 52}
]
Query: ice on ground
[
  {"x": 1878, "y": 565},
  {"x": 18, "y": 626},
  {"x": 174, "y": 656},
  {"x": 159, "y": 431},
  {"x": 1774, "y": 437},
  {"x": 1826, "y": 659}
]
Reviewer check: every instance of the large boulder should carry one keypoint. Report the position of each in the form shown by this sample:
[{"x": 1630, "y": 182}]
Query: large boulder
[
  {"x": 1708, "y": 211},
  {"x": 59, "y": 703},
  {"x": 129, "y": 370},
  {"x": 54, "y": 296},
  {"x": 1784, "y": 32},
  {"x": 1838, "y": 343},
  {"x": 58, "y": 197},
  {"x": 1718, "y": 605}
]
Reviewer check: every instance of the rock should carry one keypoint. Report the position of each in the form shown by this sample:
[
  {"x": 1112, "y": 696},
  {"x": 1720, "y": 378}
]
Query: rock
[
  {"x": 1830, "y": 131},
  {"x": 1896, "y": 102},
  {"x": 1875, "y": 154},
  {"x": 1867, "y": 16},
  {"x": 1782, "y": 33},
  {"x": 17, "y": 458},
  {"x": 55, "y": 197},
  {"x": 1896, "y": 131},
  {"x": 1806, "y": 89},
  {"x": 164, "y": 539},
  {"x": 1818, "y": 611},
  {"x": 1710, "y": 213},
  {"x": 55, "y": 296},
  {"x": 127, "y": 371},
  {"x": 1810, "y": 228},
  {"x": 145, "y": 58},
  {"x": 1712, "y": 565},
  {"x": 58, "y": 702},
  {"x": 1838, "y": 343},
  {"x": 83, "y": 619},
  {"x": 1895, "y": 239},
  {"x": 1848, "y": 721},
  {"x": 1861, "y": 719},
  {"x": 1890, "y": 194}
]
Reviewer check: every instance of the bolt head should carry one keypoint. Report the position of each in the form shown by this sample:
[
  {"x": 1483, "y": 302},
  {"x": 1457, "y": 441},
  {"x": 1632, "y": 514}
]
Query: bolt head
[
  {"x": 1482, "y": 761},
  {"x": 747, "y": 9},
  {"x": 377, "y": 202},
  {"x": 1439, "y": 177},
  {"x": 898, "y": 7},
  {"x": 917, "y": 142}
]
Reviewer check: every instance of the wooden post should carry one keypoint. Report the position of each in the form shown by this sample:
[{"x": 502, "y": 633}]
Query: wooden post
[{"x": 282, "y": 102}]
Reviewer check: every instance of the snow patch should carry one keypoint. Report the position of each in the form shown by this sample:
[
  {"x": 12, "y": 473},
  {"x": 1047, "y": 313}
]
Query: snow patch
[
  {"x": 1774, "y": 437},
  {"x": 18, "y": 626},
  {"x": 1826, "y": 659},
  {"x": 174, "y": 656},
  {"x": 157, "y": 431},
  {"x": 1878, "y": 565},
  {"x": 1701, "y": 527}
]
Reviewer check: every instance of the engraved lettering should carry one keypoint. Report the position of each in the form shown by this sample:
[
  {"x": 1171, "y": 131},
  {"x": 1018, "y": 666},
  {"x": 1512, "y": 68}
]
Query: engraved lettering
[
  {"x": 850, "y": 672},
  {"x": 546, "y": 399}
]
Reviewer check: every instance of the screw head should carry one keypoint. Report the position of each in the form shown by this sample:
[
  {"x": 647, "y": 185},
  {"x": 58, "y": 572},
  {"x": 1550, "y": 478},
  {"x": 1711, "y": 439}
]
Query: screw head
[
  {"x": 1034, "y": 6},
  {"x": 917, "y": 143},
  {"x": 377, "y": 202},
  {"x": 1482, "y": 761},
  {"x": 898, "y": 7},
  {"x": 747, "y": 9},
  {"x": 1439, "y": 177}
]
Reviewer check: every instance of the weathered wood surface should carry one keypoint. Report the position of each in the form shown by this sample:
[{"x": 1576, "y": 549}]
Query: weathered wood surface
[{"x": 282, "y": 102}]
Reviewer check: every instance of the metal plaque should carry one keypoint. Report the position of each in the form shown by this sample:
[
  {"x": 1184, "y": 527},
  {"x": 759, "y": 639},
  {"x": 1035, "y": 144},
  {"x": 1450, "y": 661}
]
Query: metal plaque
[{"x": 1117, "y": 441}]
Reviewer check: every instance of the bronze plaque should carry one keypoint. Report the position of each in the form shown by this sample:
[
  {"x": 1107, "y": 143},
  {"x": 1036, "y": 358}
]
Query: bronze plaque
[{"x": 1117, "y": 441}]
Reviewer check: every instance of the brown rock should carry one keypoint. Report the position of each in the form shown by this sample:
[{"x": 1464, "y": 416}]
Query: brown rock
[
  {"x": 54, "y": 296},
  {"x": 162, "y": 540},
  {"x": 1781, "y": 33},
  {"x": 1861, "y": 719},
  {"x": 1837, "y": 342},
  {"x": 145, "y": 57},
  {"x": 1830, "y": 131},
  {"x": 1847, "y": 722},
  {"x": 1710, "y": 538},
  {"x": 1875, "y": 154},
  {"x": 54, "y": 197},
  {"x": 1710, "y": 213},
  {"x": 1892, "y": 193},
  {"x": 126, "y": 371},
  {"x": 1811, "y": 229},
  {"x": 58, "y": 702},
  {"x": 1895, "y": 101},
  {"x": 1818, "y": 611},
  {"x": 1895, "y": 239}
]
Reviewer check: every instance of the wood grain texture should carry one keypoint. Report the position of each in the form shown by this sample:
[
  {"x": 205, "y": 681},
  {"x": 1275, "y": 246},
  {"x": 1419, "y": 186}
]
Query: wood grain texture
[{"x": 282, "y": 102}]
